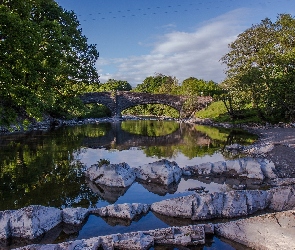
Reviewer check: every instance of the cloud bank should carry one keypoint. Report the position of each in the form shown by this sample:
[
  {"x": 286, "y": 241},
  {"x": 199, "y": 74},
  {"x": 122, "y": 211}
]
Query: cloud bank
[{"x": 181, "y": 54}]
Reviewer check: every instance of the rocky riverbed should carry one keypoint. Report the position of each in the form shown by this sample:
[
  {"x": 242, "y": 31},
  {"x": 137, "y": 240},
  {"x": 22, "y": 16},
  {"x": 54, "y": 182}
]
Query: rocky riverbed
[{"x": 270, "y": 161}]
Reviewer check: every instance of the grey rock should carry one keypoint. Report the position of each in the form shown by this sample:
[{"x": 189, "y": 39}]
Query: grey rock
[
  {"x": 176, "y": 207},
  {"x": 219, "y": 167},
  {"x": 270, "y": 231},
  {"x": 33, "y": 221},
  {"x": 5, "y": 229},
  {"x": 216, "y": 205},
  {"x": 124, "y": 211},
  {"x": 251, "y": 168},
  {"x": 282, "y": 198},
  {"x": 85, "y": 244},
  {"x": 163, "y": 172},
  {"x": 184, "y": 236},
  {"x": 136, "y": 241},
  {"x": 74, "y": 216},
  {"x": 114, "y": 175}
]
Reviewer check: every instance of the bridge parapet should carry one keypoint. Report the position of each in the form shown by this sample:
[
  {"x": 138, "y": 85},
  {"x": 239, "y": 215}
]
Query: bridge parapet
[{"x": 121, "y": 100}]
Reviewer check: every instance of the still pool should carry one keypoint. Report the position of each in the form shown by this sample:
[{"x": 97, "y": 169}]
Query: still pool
[{"x": 47, "y": 168}]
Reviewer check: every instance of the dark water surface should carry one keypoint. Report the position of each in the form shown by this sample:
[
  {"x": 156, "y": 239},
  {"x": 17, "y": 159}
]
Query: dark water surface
[{"x": 46, "y": 168}]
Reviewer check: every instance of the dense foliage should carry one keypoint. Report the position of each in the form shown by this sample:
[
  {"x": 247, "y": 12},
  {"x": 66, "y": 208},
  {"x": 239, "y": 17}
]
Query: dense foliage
[
  {"x": 261, "y": 70},
  {"x": 45, "y": 60},
  {"x": 162, "y": 84},
  {"x": 114, "y": 85}
]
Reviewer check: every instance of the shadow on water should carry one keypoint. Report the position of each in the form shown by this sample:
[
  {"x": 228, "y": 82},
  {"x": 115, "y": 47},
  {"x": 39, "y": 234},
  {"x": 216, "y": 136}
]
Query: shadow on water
[{"x": 47, "y": 168}]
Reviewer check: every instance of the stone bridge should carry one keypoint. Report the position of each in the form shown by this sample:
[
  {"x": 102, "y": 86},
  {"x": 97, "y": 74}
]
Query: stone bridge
[{"x": 121, "y": 100}]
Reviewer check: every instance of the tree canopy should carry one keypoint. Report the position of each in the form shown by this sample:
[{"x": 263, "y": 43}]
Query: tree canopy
[
  {"x": 261, "y": 68},
  {"x": 158, "y": 84},
  {"x": 199, "y": 87},
  {"x": 113, "y": 85},
  {"x": 45, "y": 60}
]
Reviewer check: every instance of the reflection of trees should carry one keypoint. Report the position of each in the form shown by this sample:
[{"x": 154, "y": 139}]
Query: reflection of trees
[
  {"x": 198, "y": 141},
  {"x": 150, "y": 128},
  {"x": 40, "y": 168}
]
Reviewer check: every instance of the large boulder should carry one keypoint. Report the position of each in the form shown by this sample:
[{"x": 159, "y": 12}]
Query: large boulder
[
  {"x": 29, "y": 222},
  {"x": 124, "y": 211},
  {"x": 250, "y": 168},
  {"x": 163, "y": 172},
  {"x": 114, "y": 175},
  {"x": 74, "y": 216},
  {"x": 216, "y": 205},
  {"x": 270, "y": 231}
]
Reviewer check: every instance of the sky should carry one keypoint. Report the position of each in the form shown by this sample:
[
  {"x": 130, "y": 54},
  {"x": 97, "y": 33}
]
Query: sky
[{"x": 179, "y": 38}]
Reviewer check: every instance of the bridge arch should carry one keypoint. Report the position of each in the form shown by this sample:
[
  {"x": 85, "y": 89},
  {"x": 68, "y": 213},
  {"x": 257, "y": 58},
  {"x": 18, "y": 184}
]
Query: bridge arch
[
  {"x": 127, "y": 100},
  {"x": 121, "y": 100}
]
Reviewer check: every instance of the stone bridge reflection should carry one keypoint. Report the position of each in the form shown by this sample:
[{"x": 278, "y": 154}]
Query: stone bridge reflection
[{"x": 121, "y": 139}]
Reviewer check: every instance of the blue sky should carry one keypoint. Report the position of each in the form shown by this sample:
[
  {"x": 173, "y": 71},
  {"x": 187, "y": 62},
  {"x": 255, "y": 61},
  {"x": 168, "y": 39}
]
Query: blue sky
[{"x": 181, "y": 38}]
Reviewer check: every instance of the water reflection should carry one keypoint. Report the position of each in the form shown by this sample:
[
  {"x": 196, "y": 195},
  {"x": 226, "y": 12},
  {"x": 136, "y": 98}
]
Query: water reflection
[{"x": 46, "y": 168}]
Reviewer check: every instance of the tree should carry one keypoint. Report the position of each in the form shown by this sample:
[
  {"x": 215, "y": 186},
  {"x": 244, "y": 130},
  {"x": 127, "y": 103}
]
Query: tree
[
  {"x": 113, "y": 85},
  {"x": 260, "y": 68},
  {"x": 198, "y": 87},
  {"x": 45, "y": 60},
  {"x": 158, "y": 84}
]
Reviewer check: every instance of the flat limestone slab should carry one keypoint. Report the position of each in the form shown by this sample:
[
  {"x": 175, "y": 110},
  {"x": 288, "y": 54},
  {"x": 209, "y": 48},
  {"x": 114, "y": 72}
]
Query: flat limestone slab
[{"x": 270, "y": 231}]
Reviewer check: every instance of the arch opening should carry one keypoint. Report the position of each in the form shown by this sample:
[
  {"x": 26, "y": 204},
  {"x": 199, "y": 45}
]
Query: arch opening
[
  {"x": 155, "y": 110},
  {"x": 96, "y": 110}
]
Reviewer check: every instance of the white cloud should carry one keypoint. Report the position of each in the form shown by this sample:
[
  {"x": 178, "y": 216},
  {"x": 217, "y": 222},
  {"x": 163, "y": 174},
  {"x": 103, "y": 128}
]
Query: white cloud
[{"x": 182, "y": 54}]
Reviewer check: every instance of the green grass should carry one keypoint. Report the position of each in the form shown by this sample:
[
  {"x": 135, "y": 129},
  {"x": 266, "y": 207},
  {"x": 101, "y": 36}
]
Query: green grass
[{"x": 217, "y": 112}]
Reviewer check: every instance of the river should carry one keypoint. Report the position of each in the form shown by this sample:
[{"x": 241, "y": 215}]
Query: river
[{"x": 47, "y": 168}]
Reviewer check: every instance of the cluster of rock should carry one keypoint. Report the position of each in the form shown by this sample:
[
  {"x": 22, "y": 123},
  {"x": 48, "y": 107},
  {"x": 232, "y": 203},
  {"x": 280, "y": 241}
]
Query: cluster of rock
[
  {"x": 259, "y": 232},
  {"x": 33, "y": 221},
  {"x": 228, "y": 204},
  {"x": 163, "y": 176},
  {"x": 251, "y": 168},
  {"x": 162, "y": 172},
  {"x": 182, "y": 236}
]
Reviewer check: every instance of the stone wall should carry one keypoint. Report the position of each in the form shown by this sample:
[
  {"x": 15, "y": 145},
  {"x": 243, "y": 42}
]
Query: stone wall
[{"x": 121, "y": 100}]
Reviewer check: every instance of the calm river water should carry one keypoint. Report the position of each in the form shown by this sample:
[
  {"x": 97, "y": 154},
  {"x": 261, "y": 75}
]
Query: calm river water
[{"x": 46, "y": 168}]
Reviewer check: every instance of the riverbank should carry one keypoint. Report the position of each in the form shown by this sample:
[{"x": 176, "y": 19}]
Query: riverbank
[{"x": 283, "y": 140}]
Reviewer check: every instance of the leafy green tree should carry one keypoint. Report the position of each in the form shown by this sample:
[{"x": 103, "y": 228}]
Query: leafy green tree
[
  {"x": 113, "y": 85},
  {"x": 45, "y": 60},
  {"x": 158, "y": 84},
  {"x": 260, "y": 68},
  {"x": 198, "y": 87}
]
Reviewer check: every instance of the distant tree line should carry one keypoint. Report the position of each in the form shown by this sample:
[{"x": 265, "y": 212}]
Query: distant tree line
[
  {"x": 46, "y": 64},
  {"x": 163, "y": 84}
]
